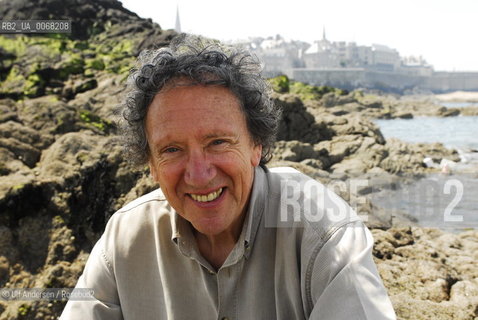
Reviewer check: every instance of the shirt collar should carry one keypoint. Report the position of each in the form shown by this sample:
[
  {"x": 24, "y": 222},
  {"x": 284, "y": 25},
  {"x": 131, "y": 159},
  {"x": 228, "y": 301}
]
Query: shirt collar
[{"x": 256, "y": 207}]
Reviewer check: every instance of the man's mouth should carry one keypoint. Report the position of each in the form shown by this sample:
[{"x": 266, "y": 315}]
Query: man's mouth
[{"x": 207, "y": 197}]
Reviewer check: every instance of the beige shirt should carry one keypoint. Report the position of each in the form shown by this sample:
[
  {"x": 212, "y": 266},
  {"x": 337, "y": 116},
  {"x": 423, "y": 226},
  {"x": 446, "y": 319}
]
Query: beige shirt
[{"x": 286, "y": 265}]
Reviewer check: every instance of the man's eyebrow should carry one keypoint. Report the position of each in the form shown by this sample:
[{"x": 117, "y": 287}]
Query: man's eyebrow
[{"x": 220, "y": 134}]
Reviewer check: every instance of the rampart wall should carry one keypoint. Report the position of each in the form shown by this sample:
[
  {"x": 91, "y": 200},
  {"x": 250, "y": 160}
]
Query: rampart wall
[{"x": 388, "y": 81}]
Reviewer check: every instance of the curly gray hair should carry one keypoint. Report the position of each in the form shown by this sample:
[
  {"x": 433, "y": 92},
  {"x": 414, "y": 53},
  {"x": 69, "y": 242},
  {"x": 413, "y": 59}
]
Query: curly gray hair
[{"x": 203, "y": 62}]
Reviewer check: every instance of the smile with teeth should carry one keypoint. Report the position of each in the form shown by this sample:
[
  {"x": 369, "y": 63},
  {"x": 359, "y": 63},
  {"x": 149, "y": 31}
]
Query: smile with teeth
[{"x": 207, "y": 197}]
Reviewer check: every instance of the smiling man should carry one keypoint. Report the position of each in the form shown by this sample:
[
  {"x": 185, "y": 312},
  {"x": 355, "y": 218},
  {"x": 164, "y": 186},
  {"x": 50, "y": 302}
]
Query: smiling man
[
  {"x": 224, "y": 237},
  {"x": 203, "y": 157}
]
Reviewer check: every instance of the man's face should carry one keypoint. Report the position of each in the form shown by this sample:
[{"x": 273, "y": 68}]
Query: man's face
[{"x": 202, "y": 155}]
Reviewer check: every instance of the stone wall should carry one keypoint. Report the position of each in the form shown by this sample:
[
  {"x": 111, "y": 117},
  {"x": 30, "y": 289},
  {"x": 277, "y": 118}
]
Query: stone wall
[
  {"x": 452, "y": 81},
  {"x": 353, "y": 78}
]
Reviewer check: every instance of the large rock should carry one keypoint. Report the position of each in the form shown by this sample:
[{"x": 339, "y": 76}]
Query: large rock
[
  {"x": 88, "y": 17},
  {"x": 102, "y": 100},
  {"x": 297, "y": 123},
  {"x": 294, "y": 151},
  {"x": 408, "y": 158},
  {"x": 428, "y": 273},
  {"x": 71, "y": 152},
  {"x": 48, "y": 115}
]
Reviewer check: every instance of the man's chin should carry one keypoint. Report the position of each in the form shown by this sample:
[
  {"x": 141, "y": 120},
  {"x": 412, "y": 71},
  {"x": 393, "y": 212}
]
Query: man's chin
[{"x": 209, "y": 227}]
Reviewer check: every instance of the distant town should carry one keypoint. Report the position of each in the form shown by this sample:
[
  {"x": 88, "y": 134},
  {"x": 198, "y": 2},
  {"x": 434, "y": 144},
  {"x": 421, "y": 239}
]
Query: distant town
[
  {"x": 350, "y": 66},
  {"x": 280, "y": 54}
]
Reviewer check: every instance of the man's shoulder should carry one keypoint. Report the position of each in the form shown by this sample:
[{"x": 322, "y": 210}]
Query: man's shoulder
[
  {"x": 141, "y": 213},
  {"x": 155, "y": 197},
  {"x": 288, "y": 174},
  {"x": 143, "y": 218},
  {"x": 287, "y": 181},
  {"x": 286, "y": 170}
]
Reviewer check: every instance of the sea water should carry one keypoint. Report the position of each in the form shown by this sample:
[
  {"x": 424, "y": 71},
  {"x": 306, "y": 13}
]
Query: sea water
[
  {"x": 458, "y": 104},
  {"x": 454, "y": 132},
  {"x": 445, "y": 201}
]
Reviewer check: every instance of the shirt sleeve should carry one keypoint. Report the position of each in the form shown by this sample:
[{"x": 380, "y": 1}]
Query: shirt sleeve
[
  {"x": 345, "y": 283},
  {"x": 98, "y": 276}
]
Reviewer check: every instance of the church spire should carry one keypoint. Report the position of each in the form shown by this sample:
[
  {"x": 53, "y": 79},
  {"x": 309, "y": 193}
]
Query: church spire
[
  {"x": 323, "y": 34},
  {"x": 178, "y": 23}
]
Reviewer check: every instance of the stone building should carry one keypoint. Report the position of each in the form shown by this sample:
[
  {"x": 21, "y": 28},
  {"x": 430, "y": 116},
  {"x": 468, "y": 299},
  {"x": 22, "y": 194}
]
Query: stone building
[
  {"x": 349, "y": 66},
  {"x": 278, "y": 54},
  {"x": 324, "y": 54}
]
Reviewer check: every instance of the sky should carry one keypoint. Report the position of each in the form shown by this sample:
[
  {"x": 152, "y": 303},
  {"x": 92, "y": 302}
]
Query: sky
[{"x": 444, "y": 32}]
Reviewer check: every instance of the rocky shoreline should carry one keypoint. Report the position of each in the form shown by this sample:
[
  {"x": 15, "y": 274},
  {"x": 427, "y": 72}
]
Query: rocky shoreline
[
  {"x": 429, "y": 274},
  {"x": 62, "y": 174}
]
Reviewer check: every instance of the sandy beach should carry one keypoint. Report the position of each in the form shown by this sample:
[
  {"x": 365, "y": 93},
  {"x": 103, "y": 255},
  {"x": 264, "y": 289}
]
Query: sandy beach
[{"x": 458, "y": 96}]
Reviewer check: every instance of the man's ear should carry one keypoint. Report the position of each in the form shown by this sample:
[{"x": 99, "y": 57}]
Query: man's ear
[
  {"x": 153, "y": 171},
  {"x": 256, "y": 155}
]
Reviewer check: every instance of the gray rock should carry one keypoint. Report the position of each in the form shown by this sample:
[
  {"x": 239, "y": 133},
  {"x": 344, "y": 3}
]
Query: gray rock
[{"x": 414, "y": 265}]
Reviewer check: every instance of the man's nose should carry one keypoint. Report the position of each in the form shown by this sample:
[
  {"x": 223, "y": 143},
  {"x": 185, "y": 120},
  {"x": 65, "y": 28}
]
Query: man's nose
[{"x": 199, "y": 170}]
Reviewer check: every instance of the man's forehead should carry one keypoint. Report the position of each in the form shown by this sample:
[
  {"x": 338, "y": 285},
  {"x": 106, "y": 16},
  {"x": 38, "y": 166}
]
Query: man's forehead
[
  {"x": 191, "y": 95},
  {"x": 204, "y": 110},
  {"x": 184, "y": 81}
]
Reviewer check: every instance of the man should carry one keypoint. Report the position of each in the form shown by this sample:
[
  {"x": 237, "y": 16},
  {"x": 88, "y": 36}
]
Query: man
[{"x": 224, "y": 237}]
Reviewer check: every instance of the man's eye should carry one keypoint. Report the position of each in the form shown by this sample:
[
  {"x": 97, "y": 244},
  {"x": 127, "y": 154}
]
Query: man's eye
[
  {"x": 218, "y": 142},
  {"x": 171, "y": 150}
]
